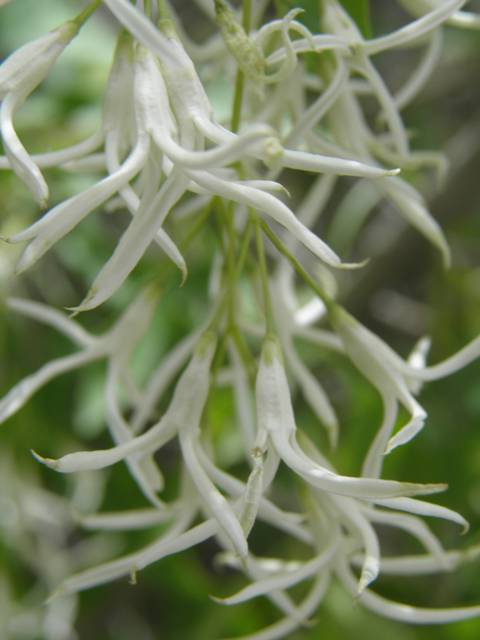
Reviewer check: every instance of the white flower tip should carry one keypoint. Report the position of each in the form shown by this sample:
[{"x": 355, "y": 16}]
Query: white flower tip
[
  {"x": 466, "y": 527},
  {"x": 352, "y": 265},
  {"x": 294, "y": 13},
  {"x": 86, "y": 304},
  {"x": 218, "y": 600},
  {"x": 75, "y": 311},
  {"x": 48, "y": 462},
  {"x": 184, "y": 274},
  {"x": 446, "y": 257},
  {"x": 425, "y": 489},
  {"x": 392, "y": 172},
  {"x": 133, "y": 576},
  {"x": 366, "y": 578}
]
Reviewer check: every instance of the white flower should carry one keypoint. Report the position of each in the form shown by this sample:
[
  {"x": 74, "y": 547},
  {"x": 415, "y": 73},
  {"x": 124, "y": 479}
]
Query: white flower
[
  {"x": 19, "y": 75},
  {"x": 276, "y": 430},
  {"x": 341, "y": 537},
  {"x": 395, "y": 380},
  {"x": 117, "y": 346}
]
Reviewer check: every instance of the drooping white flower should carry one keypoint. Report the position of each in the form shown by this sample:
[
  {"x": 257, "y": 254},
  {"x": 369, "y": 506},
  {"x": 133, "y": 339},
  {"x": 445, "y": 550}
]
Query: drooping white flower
[
  {"x": 19, "y": 75},
  {"x": 117, "y": 346},
  {"x": 394, "y": 378},
  {"x": 276, "y": 429}
]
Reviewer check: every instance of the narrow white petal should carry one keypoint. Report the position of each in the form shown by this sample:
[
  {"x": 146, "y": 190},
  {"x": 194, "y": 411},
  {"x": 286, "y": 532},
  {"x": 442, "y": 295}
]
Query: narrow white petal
[
  {"x": 126, "y": 520},
  {"x": 421, "y": 508},
  {"x": 373, "y": 463},
  {"x": 417, "y": 215},
  {"x": 18, "y": 158},
  {"x": 319, "y": 108},
  {"x": 409, "y": 431},
  {"x": 352, "y": 517},
  {"x": 148, "y": 442},
  {"x": 428, "y": 563},
  {"x": 185, "y": 540},
  {"x": 326, "y": 164},
  {"x": 390, "y": 112},
  {"x": 63, "y": 156},
  {"x": 170, "y": 366},
  {"x": 166, "y": 243},
  {"x": 214, "y": 500},
  {"x": 313, "y": 393},
  {"x": 285, "y": 580},
  {"x": 421, "y": 73},
  {"x": 253, "y": 494},
  {"x": 133, "y": 243},
  {"x": 456, "y": 362},
  {"x": 139, "y": 26},
  {"x": 251, "y": 141},
  {"x": 413, "y": 30},
  {"x": 168, "y": 543},
  {"x": 54, "y": 318},
  {"x": 406, "y": 613},
  {"x": 269, "y": 205},
  {"x": 24, "y": 390},
  {"x": 267, "y": 511},
  {"x": 287, "y": 625},
  {"x": 65, "y": 216},
  {"x": 412, "y": 524},
  {"x": 302, "y": 45},
  {"x": 148, "y": 478}
]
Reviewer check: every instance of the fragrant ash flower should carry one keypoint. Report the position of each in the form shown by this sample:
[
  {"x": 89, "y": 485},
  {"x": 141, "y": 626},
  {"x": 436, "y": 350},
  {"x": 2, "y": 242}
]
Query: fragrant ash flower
[
  {"x": 20, "y": 74},
  {"x": 394, "y": 378},
  {"x": 276, "y": 429},
  {"x": 165, "y": 155},
  {"x": 117, "y": 346}
]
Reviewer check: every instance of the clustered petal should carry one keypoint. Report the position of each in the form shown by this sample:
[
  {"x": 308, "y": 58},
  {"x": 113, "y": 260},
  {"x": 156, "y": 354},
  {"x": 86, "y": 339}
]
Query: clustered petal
[{"x": 166, "y": 158}]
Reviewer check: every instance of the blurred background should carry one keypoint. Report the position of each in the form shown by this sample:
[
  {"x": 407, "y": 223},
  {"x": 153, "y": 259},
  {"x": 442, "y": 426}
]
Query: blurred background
[{"x": 403, "y": 294}]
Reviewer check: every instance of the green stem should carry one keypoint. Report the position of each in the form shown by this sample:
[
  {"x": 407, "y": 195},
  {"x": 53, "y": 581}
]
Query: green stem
[
  {"x": 84, "y": 15},
  {"x": 296, "y": 265},
  {"x": 245, "y": 354},
  {"x": 147, "y": 8},
  {"x": 270, "y": 320},
  {"x": 167, "y": 269},
  {"x": 233, "y": 281},
  {"x": 199, "y": 222},
  {"x": 246, "y": 15},
  {"x": 237, "y": 101}
]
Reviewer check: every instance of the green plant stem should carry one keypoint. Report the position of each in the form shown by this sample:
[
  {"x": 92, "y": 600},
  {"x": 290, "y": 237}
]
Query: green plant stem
[
  {"x": 237, "y": 101},
  {"x": 270, "y": 320},
  {"x": 245, "y": 353},
  {"x": 147, "y": 7},
  {"x": 246, "y": 15},
  {"x": 214, "y": 325},
  {"x": 84, "y": 15},
  {"x": 296, "y": 265},
  {"x": 169, "y": 267}
]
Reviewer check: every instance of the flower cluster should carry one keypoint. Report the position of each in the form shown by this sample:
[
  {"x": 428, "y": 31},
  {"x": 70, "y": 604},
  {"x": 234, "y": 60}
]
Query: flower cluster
[{"x": 298, "y": 106}]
